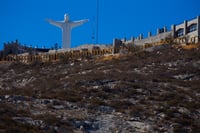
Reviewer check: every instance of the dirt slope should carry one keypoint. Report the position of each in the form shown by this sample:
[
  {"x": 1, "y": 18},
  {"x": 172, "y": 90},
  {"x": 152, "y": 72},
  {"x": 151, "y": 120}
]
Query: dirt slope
[{"x": 157, "y": 90}]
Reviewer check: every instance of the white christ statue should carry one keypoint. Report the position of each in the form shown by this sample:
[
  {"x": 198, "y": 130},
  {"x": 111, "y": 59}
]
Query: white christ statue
[{"x": 66, "y": 27}]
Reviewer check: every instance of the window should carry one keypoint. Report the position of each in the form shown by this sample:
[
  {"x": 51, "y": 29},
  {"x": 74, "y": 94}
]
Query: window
[
  {"x": 192, "y": 28},
  {"x": 180, "y": 32},
  {"x": 161, "y": 30}
]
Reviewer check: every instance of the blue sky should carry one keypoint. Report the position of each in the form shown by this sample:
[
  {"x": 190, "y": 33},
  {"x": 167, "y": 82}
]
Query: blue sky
[{"x": 25, "y": 19}]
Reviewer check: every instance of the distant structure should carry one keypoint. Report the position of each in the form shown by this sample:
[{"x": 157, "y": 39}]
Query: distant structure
[
  {"x": 66, "y": 27},
  {"x": 15, "y": 48},
  {"x": 186, "y": 32}
]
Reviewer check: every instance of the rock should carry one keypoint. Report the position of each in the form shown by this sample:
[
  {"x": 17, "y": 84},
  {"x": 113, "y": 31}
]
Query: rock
[
  {"x": 139, "y": 126},
  {"x": 7, "y": 96},
  {"x": 184, "y": 76},
  {"x": 2, "y": 98},
  {"x": 19, "y": 98},
  {"x": 45, "y": 101},
  {"x": 162, "y": 115},
  {"x": 183, "y": 110},
  {"x": 134, "y": 119},
  {"x": 29, "y": 120},
  {"x": 58, "y": 107},
  {"x": 106, "y": 109},
  {"x": 87, "y": 125}
]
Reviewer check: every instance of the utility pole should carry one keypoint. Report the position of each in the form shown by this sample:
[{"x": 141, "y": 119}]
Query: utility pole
[{"x": 97, "y": 23}]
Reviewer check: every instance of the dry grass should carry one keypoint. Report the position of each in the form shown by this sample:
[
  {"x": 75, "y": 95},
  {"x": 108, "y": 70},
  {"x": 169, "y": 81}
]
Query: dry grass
[
  {"x": 109, "y": 57},
  {"x": 190, "y": 46}
]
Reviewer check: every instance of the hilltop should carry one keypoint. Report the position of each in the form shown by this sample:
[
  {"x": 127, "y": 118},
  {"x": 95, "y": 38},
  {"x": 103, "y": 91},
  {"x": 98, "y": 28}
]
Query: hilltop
[{"x": 156, "y": 90}]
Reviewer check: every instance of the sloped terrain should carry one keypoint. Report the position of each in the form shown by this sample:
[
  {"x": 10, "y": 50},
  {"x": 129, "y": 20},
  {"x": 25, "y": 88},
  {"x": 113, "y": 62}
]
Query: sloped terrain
[{"x": 157, "y": 90}]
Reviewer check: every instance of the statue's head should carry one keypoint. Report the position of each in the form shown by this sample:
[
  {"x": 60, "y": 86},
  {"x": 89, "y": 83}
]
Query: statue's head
[{"x": 66, "y": 17}]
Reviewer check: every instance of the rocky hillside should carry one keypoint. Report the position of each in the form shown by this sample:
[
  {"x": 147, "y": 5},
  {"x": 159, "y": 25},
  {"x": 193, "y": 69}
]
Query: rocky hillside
[{"x": 157, "y": 90}]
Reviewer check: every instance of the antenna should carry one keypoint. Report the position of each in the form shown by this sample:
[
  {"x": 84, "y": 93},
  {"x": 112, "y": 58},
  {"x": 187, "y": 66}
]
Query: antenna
[{"x": 97, "y": 28}]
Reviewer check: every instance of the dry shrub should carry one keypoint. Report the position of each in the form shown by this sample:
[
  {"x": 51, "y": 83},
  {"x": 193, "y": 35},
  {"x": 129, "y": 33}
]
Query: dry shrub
[{"x": 121, "y": 106}]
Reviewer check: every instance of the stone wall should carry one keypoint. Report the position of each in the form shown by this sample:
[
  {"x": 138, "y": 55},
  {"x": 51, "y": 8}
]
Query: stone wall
[{"x": 153, "y": 39}]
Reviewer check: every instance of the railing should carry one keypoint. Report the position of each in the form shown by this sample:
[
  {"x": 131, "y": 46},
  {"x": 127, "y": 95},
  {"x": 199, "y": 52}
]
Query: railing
[
  {"x": 76, "y": 54},
  {"x": 185, "y": 40}
]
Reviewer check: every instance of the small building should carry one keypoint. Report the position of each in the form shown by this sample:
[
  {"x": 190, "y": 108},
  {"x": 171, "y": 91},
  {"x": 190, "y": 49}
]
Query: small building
[
  {"x": 13, "y": 48},
  {"x": 16, "y": 48}
]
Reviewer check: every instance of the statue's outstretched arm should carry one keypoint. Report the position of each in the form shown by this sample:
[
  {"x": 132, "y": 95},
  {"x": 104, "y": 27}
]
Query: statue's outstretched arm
[
  {"x": 58, "y": 24},
  {"x": 78, "y": 23}
]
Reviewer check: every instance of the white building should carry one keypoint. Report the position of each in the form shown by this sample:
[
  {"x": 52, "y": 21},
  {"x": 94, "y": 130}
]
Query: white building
[
  {"x": 189, "y": 30},
  {"x": 186, "y": 32}
]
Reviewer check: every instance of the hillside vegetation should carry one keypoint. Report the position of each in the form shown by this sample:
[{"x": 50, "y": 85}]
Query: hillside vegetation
[{"x": 157, "y": 90}]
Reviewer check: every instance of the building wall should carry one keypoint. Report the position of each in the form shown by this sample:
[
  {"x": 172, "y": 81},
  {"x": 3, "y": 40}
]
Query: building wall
[
  {"x": 191, "y": 37},
  {"x": 198, "y": 28},
  {"x": 177, "y": 31}
]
